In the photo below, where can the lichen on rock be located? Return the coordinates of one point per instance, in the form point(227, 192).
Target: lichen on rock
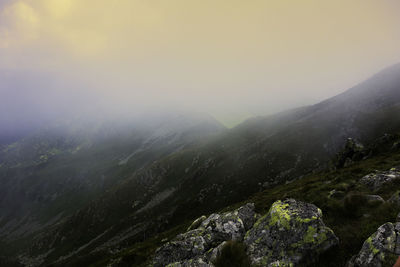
point(199, 246)
point(291, 233)
point(380, 249)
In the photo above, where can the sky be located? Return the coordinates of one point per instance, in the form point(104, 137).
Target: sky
point(230, 58)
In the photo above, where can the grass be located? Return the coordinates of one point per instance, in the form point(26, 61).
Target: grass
point(352, 219)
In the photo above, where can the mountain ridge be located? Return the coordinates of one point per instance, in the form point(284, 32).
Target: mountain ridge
point(224, 168)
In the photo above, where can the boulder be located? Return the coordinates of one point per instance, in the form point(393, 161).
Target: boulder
point(196, 247)
point(247, 215)
point(352, 151)
point(375, 181)
point(198, 262)
point(291, 233)
point(229, 225)
point(380, 249)
point(189, 245)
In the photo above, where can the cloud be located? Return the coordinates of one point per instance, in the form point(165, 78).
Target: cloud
point(216, 55)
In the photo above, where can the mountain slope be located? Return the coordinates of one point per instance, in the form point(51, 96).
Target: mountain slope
point(258, 154)
point(53, 172)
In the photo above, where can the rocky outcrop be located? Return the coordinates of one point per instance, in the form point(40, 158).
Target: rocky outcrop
point(352, 151)
point(375, 181)
point(196, 247)
point(380, 249)
point(291, 233)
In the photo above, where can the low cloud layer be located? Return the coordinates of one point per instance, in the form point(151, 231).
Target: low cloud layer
point(229, 58)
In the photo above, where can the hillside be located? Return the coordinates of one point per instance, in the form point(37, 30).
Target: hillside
point(82, 190)
point(349, 207)
point(50, 174)
point(259, 154)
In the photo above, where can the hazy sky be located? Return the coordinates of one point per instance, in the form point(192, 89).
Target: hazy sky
point(231, 58)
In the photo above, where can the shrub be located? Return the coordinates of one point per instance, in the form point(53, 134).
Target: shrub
point(354, 204)
point(233, 254)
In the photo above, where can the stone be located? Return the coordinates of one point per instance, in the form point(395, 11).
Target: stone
point(375, 181)
point(291, 233)
point(198, 262)
point(352, 151)
point(185, 246)
point(380, 249)
point(247, 215)
point(197, 246)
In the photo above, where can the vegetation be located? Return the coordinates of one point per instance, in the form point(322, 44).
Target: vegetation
point(233, 254)
point(352, 218)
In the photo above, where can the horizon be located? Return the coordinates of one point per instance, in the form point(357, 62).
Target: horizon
point(229, 59)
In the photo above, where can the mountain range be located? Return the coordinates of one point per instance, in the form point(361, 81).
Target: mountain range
point(79, 191)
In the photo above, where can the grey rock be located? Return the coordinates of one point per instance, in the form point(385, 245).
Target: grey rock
point(380, 249)
point(185, 246)
point(213, 255)
point(197, 246)
point(291, 233)
point(247, 215)
point(229, 225)
point(352, 151)
point(197, 262)
point(375, 181)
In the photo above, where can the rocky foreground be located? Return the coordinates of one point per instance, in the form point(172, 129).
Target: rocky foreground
point(292, 233)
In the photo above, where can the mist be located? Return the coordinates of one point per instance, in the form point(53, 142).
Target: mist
point(229, 59)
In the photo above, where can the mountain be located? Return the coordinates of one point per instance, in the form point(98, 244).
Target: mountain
point(51, 173)
point(170, 188)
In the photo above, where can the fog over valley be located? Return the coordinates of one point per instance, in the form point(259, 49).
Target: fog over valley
point(232, 60)
point(206, 133)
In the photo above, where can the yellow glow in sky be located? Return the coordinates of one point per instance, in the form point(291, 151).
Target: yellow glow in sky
point(246, 53)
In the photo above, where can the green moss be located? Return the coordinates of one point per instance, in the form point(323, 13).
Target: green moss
point(279, 215)
point(282, 264)
point(371, 246)
point(310, 235)
point(306, 220)
point(197, 233)
point(257, 223)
